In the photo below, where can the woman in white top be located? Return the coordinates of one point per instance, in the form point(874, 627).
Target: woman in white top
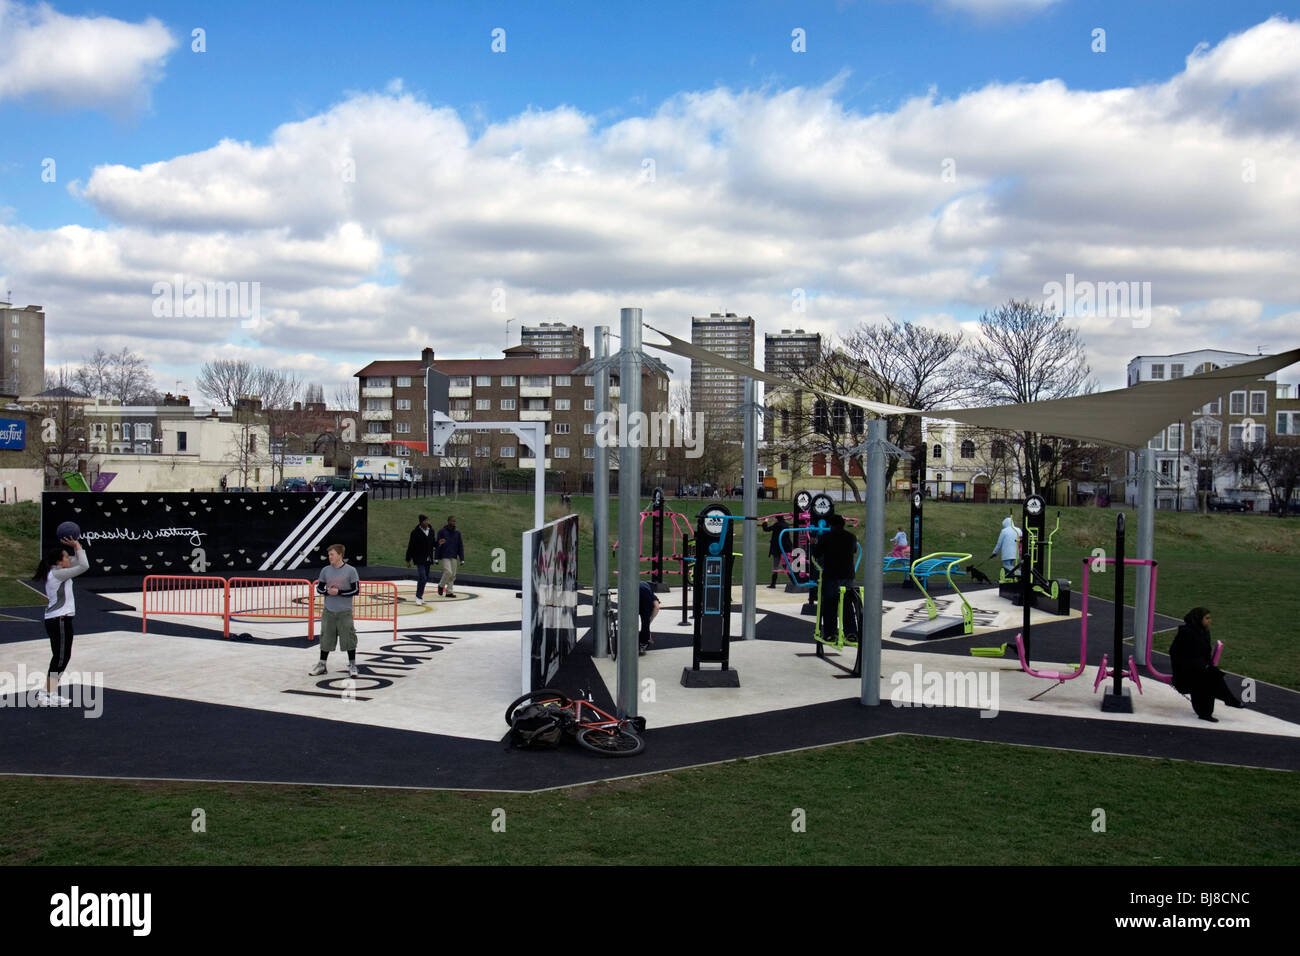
point(55, 574)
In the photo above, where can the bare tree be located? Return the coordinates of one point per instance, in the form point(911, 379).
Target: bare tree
point(1276, 463)
point(1024, 354)
point(225, 381)
point(909, 365)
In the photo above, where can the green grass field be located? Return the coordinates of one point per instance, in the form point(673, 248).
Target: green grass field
point(895, 801)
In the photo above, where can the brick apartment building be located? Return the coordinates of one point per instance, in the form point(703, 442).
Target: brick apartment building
point(521, 386)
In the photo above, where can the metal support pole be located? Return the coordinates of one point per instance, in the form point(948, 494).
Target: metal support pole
point(1146, 535)
point(749, 541)
point(1118, 650)
point(539, 475)
point(629, 513)
point(873, 566)
point(600, 501)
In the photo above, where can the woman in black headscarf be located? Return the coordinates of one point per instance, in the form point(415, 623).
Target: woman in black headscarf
point(1194, 672)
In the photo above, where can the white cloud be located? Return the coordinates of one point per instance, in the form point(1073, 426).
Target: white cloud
point(79, 62)
point(384, 214)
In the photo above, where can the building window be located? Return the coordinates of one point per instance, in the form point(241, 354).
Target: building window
point(376, 428)
point(401, 451)
point(1158, 371)
point(15, 350)
point(1213, 408)
point(403, 428)
point(508, 452)
point(537, 381)
point(126, 431)
point(561, 428)
point(482, 451)
point(1237, 403)
point(181, 438)
point(483, 381)
point(1175, 441)
point(1258, 404)
point(560, 451)
point(938, 451)
point(15, 333)
point(144, 432)
point(588, 380)
point(589, 429)
point(509, 380)
point(968, 449)
point(588, 452)
point(375, 450)
point(459, 381)
point(384, 382)
point(563, 380)
point(403, 404)
point(588, 404)
point(403, 381)
point(1176, 370)
point(998, 449)
point(785, 462)
point(117, 431)
point(1234, 437)
point(1167, 468)
point(1157, 443)
point(482, 404)
point(535, 404)
point(507, 404)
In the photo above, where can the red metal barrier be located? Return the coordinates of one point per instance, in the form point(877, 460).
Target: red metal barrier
point(376, 601)
point(174, 594)
point(274, 599)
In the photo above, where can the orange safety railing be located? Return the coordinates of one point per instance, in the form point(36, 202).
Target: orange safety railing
point(376, 601)
point(274, 599)
point(173, 594)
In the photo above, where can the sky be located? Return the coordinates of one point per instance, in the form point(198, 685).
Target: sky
point(392, 176)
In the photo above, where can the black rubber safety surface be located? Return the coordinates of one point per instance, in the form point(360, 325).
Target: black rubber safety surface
point(144, 736)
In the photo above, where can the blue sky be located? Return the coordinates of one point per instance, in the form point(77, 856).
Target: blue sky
point(687, 69)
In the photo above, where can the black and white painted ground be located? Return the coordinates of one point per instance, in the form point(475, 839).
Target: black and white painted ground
point(426, 710)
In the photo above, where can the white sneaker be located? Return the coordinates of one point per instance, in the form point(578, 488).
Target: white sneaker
point(352, 670)
point(60, 701)
point(317, 670)
point(420, 601)
point(44, 700)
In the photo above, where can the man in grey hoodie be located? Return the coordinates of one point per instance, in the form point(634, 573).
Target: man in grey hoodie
point(1007, 544)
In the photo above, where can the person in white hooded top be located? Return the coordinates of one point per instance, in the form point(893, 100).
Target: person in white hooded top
point(1008, 544)
point(54, 574)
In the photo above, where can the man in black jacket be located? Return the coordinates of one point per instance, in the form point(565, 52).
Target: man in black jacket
point(1191, 660)
point(419, 550)
point(836, 551)
point(451, 552)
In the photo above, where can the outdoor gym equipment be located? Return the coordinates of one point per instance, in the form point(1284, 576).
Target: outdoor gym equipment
point(936, 625)
point(810, 525)
point(1037, 556)
point(905, 564)
point(1116, 698)
point(713, 564)
point(846, 637)
point(1169, 678)
point(681, 532)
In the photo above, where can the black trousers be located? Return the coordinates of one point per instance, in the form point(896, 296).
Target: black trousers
point(830, 606)
point(1210, 687)
point(59, 630)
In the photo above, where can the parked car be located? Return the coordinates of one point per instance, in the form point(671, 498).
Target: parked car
point(292, 484)
point(1215, 503)
point(331, 483)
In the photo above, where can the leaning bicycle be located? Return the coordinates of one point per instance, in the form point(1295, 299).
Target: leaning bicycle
point(593, 728)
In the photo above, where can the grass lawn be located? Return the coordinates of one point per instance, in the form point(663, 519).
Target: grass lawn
point(900, 800)
point(892, 801)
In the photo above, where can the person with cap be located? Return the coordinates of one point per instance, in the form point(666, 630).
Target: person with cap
point(419, 550)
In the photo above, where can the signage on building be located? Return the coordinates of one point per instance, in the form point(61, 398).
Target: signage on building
point(13, 434)
point(304, 461)
point(902, 484)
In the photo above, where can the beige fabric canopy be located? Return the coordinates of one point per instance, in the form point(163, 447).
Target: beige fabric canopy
point(1125, 417)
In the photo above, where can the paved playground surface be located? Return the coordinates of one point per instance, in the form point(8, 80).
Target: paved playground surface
point(182, 702)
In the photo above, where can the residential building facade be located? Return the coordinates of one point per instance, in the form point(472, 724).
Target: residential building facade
point(521, 386)
point(554, 340)
point(716, 393)
point(23, 371)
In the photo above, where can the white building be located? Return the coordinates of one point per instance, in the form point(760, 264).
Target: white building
point(1182, 452)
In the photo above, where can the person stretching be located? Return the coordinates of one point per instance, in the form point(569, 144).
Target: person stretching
point(54, 574)
point(1006, 545)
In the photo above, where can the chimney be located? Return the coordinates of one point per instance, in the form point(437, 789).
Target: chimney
point(426, 357)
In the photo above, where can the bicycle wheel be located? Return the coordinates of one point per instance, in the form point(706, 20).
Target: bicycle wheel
point(621, 742)
point(545, 696)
